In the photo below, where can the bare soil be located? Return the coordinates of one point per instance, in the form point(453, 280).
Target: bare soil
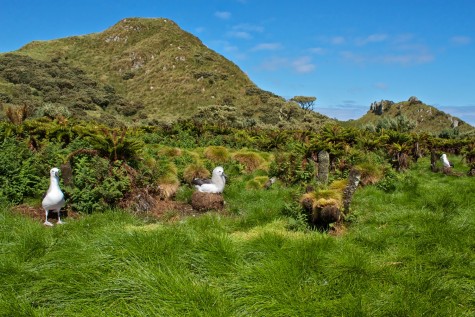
point(163, 209)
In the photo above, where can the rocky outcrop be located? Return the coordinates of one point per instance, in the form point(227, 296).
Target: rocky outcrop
point(323, 166)
point(378, 107)
point(353, 181)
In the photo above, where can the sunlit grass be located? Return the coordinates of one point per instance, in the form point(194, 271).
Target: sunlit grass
point(406, 252)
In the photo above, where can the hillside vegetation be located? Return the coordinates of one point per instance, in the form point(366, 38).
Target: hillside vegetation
point(143, 71)
point(411, 116)
point(408, 252)
point(149, 72)
point(132, 245)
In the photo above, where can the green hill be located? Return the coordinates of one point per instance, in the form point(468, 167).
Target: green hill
point(140, 70)
point(149, 71)
point(410, 116)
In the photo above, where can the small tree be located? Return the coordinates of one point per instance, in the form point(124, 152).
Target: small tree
point(306, 103)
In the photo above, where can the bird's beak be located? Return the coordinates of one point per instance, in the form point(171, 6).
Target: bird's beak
point(225, 176)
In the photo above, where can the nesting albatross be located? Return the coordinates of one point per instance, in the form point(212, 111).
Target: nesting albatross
point(213, 185)
point(445, 161)
point(54, 197)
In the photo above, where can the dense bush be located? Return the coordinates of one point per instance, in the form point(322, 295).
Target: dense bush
point(19, 175)
point(97, 184)
point(108, 164)
point(56, 88)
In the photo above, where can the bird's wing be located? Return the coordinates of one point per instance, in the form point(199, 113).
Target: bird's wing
point(200, 181)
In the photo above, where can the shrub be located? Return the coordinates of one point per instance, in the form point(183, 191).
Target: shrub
point(217, 154)
point(97, 184)
point(170, 151)
point(19, 177)
point(195, 170)
point(250, 160)
point(53, 111)
point(257, 182)
point(292, 168)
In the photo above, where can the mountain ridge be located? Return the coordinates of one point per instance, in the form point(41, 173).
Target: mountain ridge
point(147, 71)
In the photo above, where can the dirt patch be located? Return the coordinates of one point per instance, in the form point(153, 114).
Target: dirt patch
point(163, 209)
point(170, 209)
point(338, 229)
point(38, 213)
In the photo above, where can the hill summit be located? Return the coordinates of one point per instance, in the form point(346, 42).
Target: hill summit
point(140, 71)
point(412, 115)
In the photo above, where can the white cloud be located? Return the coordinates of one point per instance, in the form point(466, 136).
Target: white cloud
point(407, 59)
point(248, 28)
point(274, 63)
point(337, 40)
point(461, 40)
point(267, 47)
point(381, 86)
point(230, 48)
point(317, 50)
point(244, 31)
point(303, 65)
point(222, 15)
point(300, 65)
point(373, 38)
point(401, 59)
point(240, 35)
point(353, 57)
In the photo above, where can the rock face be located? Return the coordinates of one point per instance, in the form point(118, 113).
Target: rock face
point(353, 181)
point(323, 166)
point(414, 100)
point(378, 107)
point(207, 201)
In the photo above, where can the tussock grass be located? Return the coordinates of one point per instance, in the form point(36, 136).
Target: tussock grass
point(406, 252)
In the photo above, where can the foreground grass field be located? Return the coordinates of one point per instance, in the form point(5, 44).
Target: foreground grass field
point(406, 252)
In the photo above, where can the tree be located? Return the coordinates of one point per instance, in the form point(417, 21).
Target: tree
point(306, 103)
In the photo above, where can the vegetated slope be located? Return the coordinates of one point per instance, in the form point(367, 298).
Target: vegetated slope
point(411, 116)
point(56, 88)
point(159, 72)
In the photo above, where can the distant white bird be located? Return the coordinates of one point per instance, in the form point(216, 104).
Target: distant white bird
point(54, 197)
point(269, 183)
point(445, 161)
point(213, 185)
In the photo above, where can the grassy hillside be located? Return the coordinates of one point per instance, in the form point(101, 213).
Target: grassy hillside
point(405, 252)
point(161, 73)
point(411, 116)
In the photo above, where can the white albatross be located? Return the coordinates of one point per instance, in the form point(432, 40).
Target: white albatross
point(445, 161)
point(54, 198)
point(213, 185)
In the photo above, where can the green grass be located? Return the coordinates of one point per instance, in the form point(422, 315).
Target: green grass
point(408, 252)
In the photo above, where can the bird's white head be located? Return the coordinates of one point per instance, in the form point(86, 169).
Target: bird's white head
point(54, 172)
point(218, 175)
point(219, 171)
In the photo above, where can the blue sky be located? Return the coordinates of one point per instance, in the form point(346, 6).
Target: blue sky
point(345, 53)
